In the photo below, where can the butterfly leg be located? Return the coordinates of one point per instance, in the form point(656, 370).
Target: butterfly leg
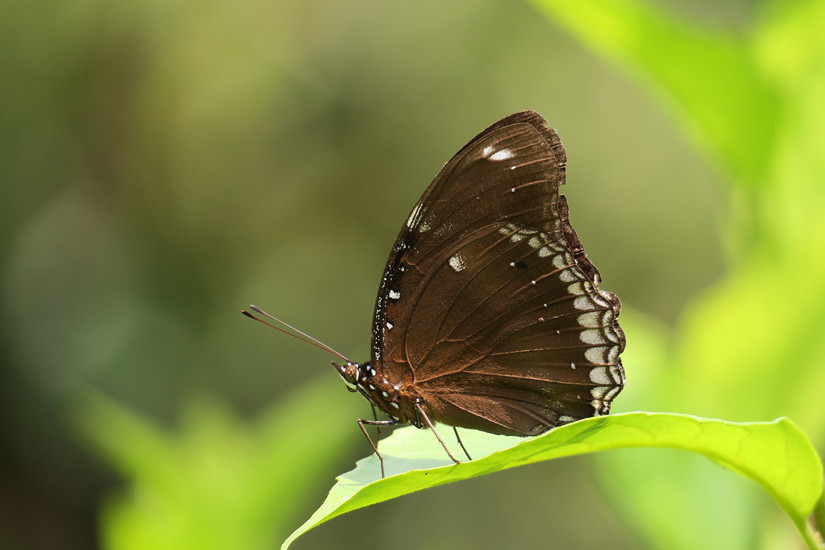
point(362, 423)
point(421, 414)
point(463, 448)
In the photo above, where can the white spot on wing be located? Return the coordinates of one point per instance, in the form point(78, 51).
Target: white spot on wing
point(413, 215)
point(617, 375)
point(598, 392)
point(599, 375)
point(611, 335)
point(590, 319)
point(595, 355)
point(593, 337)
point(613, 392)
point(583, 303)
point(395, 295)
point(567, 276)
point(457, 262)
point(504, 154)
point(601, 301)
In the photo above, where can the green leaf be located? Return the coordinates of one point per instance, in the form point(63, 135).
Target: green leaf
point(711, 74)
point(776, 455)
point(216, 480)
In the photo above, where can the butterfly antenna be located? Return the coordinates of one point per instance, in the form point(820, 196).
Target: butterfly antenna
point(304, 337)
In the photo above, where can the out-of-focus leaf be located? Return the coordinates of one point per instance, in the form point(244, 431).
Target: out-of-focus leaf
point(709, 73)
point(220, 482)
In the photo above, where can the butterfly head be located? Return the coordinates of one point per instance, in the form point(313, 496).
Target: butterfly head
point(351, 373)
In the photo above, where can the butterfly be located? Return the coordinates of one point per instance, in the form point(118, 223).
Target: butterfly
point(489, 314)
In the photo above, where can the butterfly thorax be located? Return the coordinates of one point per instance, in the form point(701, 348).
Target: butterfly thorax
point(394, 397)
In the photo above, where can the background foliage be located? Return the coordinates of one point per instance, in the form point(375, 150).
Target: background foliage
point(164, 163)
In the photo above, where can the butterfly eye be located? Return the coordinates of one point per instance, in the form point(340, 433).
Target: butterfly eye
point(351, 373)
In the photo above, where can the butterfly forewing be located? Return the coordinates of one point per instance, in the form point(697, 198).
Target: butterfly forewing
point(489, 306)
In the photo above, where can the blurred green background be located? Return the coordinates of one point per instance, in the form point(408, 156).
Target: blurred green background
point(163, 164)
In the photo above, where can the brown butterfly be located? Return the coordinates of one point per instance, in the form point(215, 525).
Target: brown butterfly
point(489, 314)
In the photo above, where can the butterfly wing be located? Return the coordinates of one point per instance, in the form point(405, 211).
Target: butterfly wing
point(488, 304)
